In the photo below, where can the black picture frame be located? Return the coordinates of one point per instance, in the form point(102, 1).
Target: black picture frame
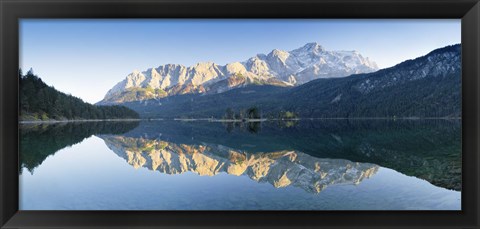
point(12, 10)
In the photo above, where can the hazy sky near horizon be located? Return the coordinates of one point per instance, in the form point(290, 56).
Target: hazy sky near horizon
point(86, 58)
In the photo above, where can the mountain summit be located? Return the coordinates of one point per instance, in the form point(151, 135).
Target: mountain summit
point(278, 68)
point(428, 86)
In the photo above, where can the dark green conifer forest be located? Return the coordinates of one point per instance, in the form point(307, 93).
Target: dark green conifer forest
point(38, 101)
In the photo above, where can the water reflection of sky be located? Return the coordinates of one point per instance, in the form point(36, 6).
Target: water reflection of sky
point(89, 176)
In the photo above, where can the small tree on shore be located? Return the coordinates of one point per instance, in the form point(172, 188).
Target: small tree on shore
point(253, 113)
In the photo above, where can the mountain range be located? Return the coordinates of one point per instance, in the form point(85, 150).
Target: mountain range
point(428, 86)
point(278, 68)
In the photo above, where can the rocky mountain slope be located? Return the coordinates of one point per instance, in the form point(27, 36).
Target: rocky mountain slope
point(278, 68)
point(428, 86)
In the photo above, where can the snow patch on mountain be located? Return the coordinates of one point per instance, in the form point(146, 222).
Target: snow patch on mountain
point(279, 68)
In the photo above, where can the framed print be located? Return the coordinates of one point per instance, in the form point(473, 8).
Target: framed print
point(240, 114)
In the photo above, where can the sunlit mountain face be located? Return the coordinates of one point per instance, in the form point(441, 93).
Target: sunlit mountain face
point(278, 68)
point(280, 169)
point(425, 87)
point(303, 129)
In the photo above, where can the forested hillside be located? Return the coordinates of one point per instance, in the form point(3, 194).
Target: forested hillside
point(38, 101)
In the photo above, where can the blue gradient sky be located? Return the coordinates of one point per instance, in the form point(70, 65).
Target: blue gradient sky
point(88, 57)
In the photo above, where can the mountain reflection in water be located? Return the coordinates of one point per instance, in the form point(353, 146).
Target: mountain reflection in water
point(426, 149)
point(346, 163)
point(281, 168)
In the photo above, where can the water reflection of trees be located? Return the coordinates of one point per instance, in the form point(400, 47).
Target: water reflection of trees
point(38, 141)
point(251, 127)
point(427, 149)
point(256, 127)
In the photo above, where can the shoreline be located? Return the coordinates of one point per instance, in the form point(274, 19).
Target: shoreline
point(313, 119)
point(231, 120)
point(76, 120)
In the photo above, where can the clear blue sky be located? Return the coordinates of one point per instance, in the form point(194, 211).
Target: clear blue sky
point(87, 57)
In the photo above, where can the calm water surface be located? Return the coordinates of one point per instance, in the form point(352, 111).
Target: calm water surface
point(200, 165)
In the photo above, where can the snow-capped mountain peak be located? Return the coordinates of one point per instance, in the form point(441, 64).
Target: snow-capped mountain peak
point(279, 68)
point(310, 47)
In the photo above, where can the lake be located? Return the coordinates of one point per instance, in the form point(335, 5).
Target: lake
point(272, 165)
